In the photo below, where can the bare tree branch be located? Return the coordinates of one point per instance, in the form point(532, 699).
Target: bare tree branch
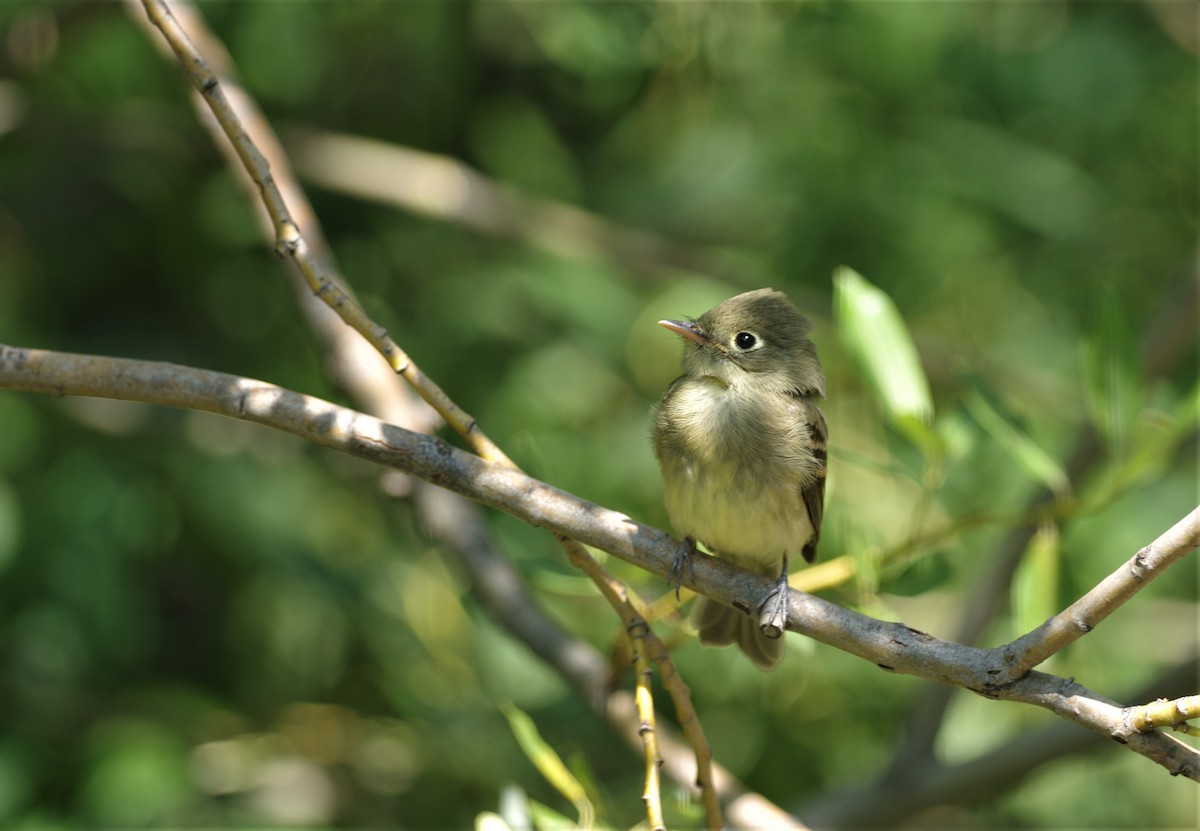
point(289, 242)
point(559, 653)
point(979, 609)
point(445, 188)
point(1085, 614)
point(1020, 659)
point(1171, 336)
point(889, 801)
point(1076, 703)
point(350, 360)
point(892, 646)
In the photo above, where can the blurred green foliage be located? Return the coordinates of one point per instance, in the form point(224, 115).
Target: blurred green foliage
point(204, 623)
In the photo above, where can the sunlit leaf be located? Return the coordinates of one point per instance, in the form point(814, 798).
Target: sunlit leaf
point(875, 336)
point(546, 818)
point(549, 764)
point(488, 821)
point(1153, 447)
point(1035, 586)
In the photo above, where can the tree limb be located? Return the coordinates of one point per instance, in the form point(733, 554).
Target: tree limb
point(445, 188)
point(1169, 338)
point(893, 646)
point(291, 243)
point(889, 801)
point(1085, 614)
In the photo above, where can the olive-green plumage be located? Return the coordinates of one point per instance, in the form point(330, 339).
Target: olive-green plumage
point(741, 445)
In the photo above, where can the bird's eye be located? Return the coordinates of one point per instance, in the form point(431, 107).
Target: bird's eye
point(745, 340)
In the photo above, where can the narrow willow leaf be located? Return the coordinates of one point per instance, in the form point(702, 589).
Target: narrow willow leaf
point(488, 821)
point(545, 818)
point(578, 764)
point(875, 336)
point(1034, 596)
point(1019, 445)
point(548, 763)
point(1153, 447)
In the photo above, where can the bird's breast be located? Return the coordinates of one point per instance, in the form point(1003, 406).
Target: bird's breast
point(733, 470)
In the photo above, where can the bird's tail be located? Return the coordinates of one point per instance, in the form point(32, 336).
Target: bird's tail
point(720, 625)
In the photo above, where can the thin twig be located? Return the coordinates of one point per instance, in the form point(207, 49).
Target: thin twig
point(350, 361)
point(291, 244)
point(500, 589)
point(617, 595)
point(689, 723)
point(1164, 713)
point(446, 189)
point(647, 729)
point(1085, 614)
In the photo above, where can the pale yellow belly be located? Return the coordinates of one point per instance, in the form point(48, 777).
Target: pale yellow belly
point(747, 524)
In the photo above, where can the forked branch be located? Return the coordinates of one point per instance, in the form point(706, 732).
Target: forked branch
point(892, 646)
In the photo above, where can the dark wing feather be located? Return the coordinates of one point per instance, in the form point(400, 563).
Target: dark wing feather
point(813, 494)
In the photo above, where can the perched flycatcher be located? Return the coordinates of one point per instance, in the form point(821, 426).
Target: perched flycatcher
point(741, 445)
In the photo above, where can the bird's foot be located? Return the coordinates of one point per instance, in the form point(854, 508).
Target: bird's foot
point(681, 564)
point(772, 620)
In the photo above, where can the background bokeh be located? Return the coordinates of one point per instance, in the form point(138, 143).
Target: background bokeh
point(206, 623)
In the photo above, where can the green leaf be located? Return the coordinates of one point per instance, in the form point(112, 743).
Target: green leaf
point(1019, 445)
point(1153, 447)
point(545, 818)
point(490, 821)
point(876, 338)
point(1035, 585)
point(549, 764)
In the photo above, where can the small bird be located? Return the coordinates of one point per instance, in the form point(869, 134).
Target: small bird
point(742, 449)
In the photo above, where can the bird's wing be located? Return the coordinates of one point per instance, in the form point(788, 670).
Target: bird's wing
point(813, 493)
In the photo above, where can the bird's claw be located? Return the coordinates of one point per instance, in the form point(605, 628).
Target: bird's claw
point(682, 563)
point(772, 620)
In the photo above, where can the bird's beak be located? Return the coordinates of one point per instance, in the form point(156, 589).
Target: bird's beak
point(687, 329)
